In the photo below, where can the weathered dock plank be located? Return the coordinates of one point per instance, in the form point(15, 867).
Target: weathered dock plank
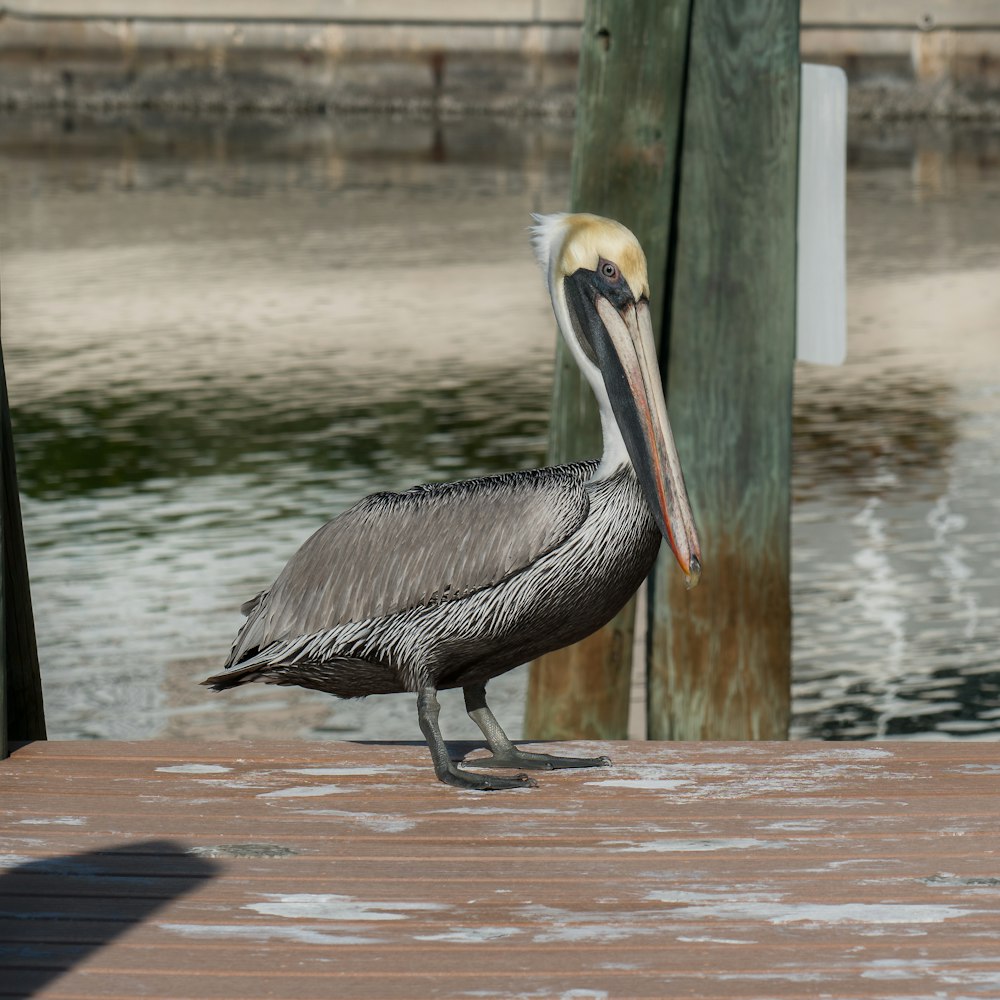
point(295, 870)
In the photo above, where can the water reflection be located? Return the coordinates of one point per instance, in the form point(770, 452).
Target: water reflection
point(857, 438)
point(217, 334)
point(896, 550)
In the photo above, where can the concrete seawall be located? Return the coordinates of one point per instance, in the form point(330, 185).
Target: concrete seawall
point(440, 56)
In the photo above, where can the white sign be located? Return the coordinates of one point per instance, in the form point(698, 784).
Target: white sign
point(821, 295)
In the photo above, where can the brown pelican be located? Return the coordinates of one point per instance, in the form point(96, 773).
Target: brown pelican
point(449, 585)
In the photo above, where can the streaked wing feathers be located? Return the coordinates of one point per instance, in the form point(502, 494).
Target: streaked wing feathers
point(395, 551)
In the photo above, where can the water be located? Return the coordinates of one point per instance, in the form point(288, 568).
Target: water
point(897, 490)
point(218, 335)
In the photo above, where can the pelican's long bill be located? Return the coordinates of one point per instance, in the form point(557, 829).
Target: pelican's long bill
point(619, 334)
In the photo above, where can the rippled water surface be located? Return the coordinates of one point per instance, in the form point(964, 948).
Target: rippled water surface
point(217, 336)
point(896, 536)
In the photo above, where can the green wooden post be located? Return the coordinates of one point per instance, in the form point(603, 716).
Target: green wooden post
point(632, 65)
point(719, 656)
point(21, 714)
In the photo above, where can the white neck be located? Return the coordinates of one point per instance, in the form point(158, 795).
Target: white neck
point(614, 455)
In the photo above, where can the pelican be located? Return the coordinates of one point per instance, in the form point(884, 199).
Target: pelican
point(449, 585)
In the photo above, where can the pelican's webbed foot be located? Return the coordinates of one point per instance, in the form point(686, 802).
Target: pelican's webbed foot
point(504, 753)
point(453, 775)
point(428, 710)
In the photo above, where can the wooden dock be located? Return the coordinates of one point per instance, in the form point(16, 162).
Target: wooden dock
point(307, 870)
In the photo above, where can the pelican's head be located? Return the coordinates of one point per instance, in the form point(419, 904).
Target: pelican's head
point(596, 273)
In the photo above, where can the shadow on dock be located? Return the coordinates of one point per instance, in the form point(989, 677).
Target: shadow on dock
point(56, 912)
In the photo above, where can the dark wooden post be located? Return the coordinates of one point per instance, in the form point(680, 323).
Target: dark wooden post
point(632, 64)
point(21, 715)
point(719, 655)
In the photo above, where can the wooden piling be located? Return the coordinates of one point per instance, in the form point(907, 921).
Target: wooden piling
point(719, 656)
point(22, 717)
point(632, 64)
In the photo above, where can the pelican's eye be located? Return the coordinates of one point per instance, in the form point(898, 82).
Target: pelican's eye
point(609, 270)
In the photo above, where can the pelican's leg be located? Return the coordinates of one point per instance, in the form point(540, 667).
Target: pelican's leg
point(428, 710)
point(505, 754)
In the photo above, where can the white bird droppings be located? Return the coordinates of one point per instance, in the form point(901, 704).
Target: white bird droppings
point(325, 906)
point(713, 940)
point(54, 821)
point(471, 935)
point(267, 932)
point(194, 769)
point(840, 752)
point(776, 912)
point(707, 844)
point(303, 791)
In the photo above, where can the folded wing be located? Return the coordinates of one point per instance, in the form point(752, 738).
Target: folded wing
point(395, 551)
